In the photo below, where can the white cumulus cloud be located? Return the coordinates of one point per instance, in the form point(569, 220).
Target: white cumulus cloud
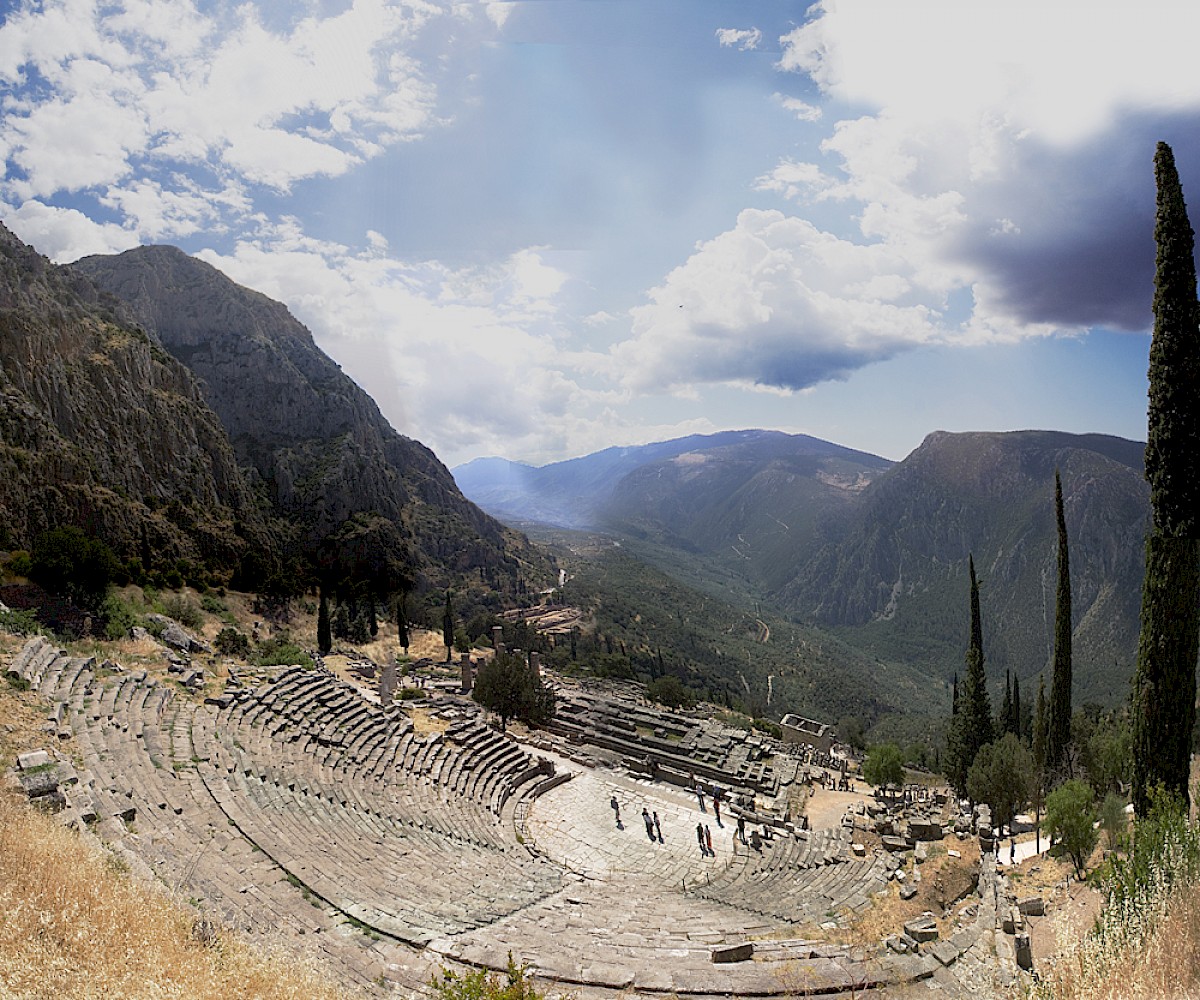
point(741, 38)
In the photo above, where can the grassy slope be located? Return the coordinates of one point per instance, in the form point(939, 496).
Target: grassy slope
point(74, 924)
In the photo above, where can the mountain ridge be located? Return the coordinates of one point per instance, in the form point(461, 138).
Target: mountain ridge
point(878, 552)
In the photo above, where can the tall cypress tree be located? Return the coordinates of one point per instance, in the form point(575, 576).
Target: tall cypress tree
point(1041, 728)
point(1018, 720)
point(448, 626)
point(973, 724)
point(1006, 706)
point(1059, 734)
point(402, 620)
point(1164, 682)
point(324, 631)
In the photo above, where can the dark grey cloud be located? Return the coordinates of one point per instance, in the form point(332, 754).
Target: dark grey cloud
point(1084, 252)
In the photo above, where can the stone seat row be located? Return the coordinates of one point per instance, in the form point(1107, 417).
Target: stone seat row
point(349, 732)
point(797, 880)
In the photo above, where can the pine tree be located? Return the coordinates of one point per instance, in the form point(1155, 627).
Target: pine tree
point(1164, 682)
point(1006, 706)
point(1060, 687)
point(972, 727)
point(324, 633)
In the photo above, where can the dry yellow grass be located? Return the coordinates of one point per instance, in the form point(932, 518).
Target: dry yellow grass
point(1165, 966)
point(73, 926)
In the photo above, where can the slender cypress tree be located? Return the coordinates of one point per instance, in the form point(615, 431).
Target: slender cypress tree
point(973, 724)
point(448, 626)
point(1041, 728)
point(1173, 417)
point(324, 631)
point(402, 620)
point(1164, 682)
point(1006, 706)
point(1060, 687)
point(1018, 720)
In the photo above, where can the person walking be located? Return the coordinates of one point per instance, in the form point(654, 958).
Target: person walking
point(708, 840)
point(649, 824)
point(657, 827)
point(717, 808)
point(700, 838)
point(616, 808)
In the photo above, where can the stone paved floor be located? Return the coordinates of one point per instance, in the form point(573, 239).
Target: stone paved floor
point(574, 826)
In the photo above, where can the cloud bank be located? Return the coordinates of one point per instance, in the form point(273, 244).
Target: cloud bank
point(996, 159)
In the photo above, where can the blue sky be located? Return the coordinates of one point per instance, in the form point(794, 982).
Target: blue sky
point(541, 227)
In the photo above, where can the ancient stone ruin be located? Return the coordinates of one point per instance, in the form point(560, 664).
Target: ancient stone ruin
point(308, 810)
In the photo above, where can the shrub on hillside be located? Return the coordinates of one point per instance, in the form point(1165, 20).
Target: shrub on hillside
point(281, 651)
point(669, 690)
point(1071, 817)
point(184, 610)
point(231, 642)
point(74, 565)
point(20, 622)
point(119, 617)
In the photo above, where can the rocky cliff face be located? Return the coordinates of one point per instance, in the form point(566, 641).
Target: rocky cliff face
point(893, 573)
point(102, 428)
point(324, 455)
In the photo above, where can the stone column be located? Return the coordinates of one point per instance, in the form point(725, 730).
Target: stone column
point(387, 684)
point(535, 662)
point(468, 674)
point(498, 639)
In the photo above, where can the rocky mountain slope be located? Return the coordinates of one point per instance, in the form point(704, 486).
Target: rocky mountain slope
point(103, 429)
point(755, 499)
point(358, 493)
point(893, 572)
point(876, 551)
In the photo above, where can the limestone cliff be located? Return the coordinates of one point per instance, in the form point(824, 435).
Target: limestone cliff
point(102, 428)
point(327, 459)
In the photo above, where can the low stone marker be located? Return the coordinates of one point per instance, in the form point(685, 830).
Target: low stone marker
point(923, 928)
point(1024, 952)
point(733, 953)
point(1032, 906)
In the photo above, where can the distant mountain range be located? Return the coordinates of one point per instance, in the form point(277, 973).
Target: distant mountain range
point(179, 416)
point(873, 550)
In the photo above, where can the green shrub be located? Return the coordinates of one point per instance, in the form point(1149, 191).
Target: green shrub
point(231, 642)
point(19, 563)
point(1070, 816)
point(74, 565)
point(281, 651)
point(119, 617)
point(213, 605)
point(20, 622)
point(484, 985)
point(669, 690)
point(184, 610)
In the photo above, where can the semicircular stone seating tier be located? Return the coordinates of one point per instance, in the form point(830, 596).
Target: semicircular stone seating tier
point(299, 810)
